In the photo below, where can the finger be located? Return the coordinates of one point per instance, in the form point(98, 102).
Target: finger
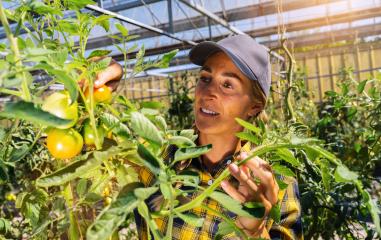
point(232, 192)
point(113, 84)
point(242, 177)
point(262, 170)
point(113, 72)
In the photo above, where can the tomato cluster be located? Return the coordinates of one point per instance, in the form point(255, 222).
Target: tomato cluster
point(65, 142)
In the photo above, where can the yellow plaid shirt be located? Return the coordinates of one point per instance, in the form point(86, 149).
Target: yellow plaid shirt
point(290, 226)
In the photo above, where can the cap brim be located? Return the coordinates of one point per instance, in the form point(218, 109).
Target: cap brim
point(200, 53)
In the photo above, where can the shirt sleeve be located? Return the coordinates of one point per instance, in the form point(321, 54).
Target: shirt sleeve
point(290, 225)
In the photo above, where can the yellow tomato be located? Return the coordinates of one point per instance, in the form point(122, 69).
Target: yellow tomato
point(64, 143)
point(60, 105)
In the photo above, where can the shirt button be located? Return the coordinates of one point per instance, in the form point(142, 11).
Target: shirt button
point(229, 161)
point(210, 182)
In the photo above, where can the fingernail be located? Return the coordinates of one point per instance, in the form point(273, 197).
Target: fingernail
point(223, 184)
point(234, 168)
point(97, 82)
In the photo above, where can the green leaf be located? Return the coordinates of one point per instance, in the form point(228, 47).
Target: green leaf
point(190, 219)
point(114, 215)
point(62, 77)
point(343, 174)
point(181, 142)
point(31, 52)
point(288, 156)
point(249, 126)
point(148, 159)
point(122, 29)
point(373, 208)
point(165, 190)
point(29, 112)
point(160, 122)
point(43, 9)
point(282, 185)
point(103, 21)
point(325, 173)
point(77, 5)
point(116, 126)
point(191, 152)
point(99, 53)
point(81, 187)
point(224, 228)
point(282, 170)
point(275, 213)
point(361, 86)
point(255, 209)
point(166, 59)
point(69, 172)
point(248, 136)
point(144, 193)
point(152, 104)
point(143, 127)
point(230, 204)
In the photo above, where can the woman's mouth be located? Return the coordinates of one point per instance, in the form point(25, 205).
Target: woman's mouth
point(208, 112)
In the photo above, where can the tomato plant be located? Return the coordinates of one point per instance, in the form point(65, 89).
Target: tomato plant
point(92, 195)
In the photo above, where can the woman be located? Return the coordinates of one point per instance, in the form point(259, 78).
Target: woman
point(234, 83)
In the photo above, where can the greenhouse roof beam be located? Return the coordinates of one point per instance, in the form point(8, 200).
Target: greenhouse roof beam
point(138, 24)
point(232, 14)
point(128, 5)
point(299, 41)
point(212, 16)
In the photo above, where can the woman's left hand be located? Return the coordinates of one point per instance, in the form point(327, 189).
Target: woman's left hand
point(257, 184)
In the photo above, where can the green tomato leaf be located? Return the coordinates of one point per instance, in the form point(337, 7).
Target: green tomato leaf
point(152, 105)
point(116, 126)
point(288, 156)
point(81, 187)
point(255, 209)
point(29, 112)
point(77, 5)
point(248, 136)
point(181, 142)
point(43, 9)
point(282, 170)
point(61, 77)
point(230, 204)
point(148, 159)
point(275, 213)
point(343, 174)
point(191, 152)
point(361, 86)
point(190, 219)
point(99, 53)
point(69, 172)
point(143, 127)
point(249, 126)
point(144, 193)
point(113, 216)
point(123, 30)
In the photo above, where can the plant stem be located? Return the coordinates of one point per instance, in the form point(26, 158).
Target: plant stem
point(290, 72)
point(226, 219)
point(74, 231)
point(14, 46)
point(171, 215)
point(260, 150)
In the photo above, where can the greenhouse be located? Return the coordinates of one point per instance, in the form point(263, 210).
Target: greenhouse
point(190, 119)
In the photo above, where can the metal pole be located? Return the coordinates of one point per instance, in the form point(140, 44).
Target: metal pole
point(170, 16)
point(136, 23)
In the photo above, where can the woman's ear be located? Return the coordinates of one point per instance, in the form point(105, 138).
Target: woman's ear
point(254, 110)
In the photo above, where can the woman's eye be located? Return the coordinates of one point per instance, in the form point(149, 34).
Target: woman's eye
point(227, 85)
point(205, 79)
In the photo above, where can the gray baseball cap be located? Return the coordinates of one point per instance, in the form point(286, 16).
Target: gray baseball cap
point(252, 59)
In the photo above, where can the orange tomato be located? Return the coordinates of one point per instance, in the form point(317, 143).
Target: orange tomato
point(102, 94)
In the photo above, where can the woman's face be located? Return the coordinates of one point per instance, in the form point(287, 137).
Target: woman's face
point(222, 94)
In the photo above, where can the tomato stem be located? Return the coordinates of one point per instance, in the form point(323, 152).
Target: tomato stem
point(15, 49)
